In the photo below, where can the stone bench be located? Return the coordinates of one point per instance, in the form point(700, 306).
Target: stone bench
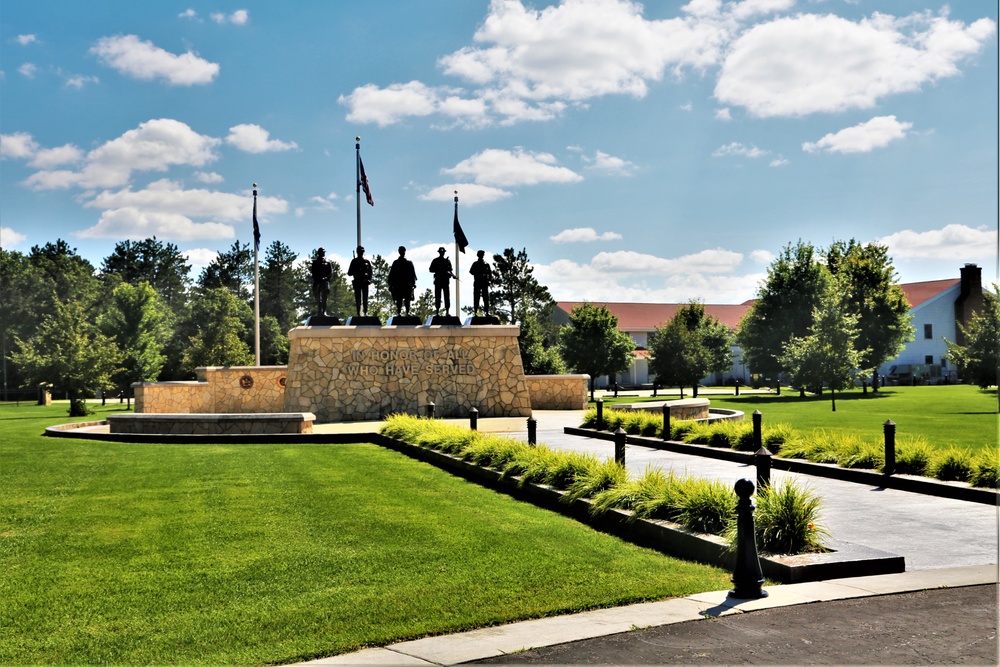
point(680, 409)
point(213, 424)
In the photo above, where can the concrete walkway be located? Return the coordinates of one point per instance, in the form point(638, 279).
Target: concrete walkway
point(946, 543)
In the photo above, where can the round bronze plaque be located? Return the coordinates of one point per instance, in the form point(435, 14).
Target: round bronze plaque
point(246, 382)
point(281, 381)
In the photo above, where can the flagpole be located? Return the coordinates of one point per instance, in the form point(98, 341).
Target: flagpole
point(357, 170)
point(256, 287)
point(458, 281)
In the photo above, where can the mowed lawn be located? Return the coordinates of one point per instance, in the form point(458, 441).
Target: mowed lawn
point(256, 554)
point(943, 415)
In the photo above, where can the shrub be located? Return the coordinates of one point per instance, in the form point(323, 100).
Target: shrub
point(775, 437)
point(952, 464)
point(600, 477)
point(855, 452)
point(621, 496)
point(493, 451)
point(986, 468)
point(563, 469)
point(706, 506)
point(697, 433)
point(786, 520)
point(913, 455)
point(659, 495)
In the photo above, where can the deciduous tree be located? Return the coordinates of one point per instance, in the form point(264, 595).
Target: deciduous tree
point(137, 320)
point(160, 264)
point(977, 361)
point(591, 343)
point(689, 347)
point(219, 321)
point(68, 351)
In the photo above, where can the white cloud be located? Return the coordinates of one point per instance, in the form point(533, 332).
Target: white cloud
point(583, 235)
point(723, 114)
point(208, 177)
point(318, 203)
point(505, 168)
point(960, 243)
point(810, 63)
point(9, 238)
point(778, 162)
point(199, 258)
point(469, 194)
point(762, 256)
point(255, 139)
point(145, 61)
point(239, 17)
point(47, 158)
point(28, 70)
point(386, 106)
point(153, 146)
point(188, 14)
point(132, 223)
point(78, 81)
point(878, 132)
point(24, 40)
point(710, 275)
point(170, 212)
point(609, 163)
point(737, 148)
point(17, 146)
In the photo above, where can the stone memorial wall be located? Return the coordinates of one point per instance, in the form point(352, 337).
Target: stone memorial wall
point(366, 373)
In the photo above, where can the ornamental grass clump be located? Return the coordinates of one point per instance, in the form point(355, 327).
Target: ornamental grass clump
point(493, 451)
point(565, 468)
point(786, 520)
point(706, 506)
point(601, 477)
point(951, 465)
point(913, 455)
point(661, 495)
point(986, 468)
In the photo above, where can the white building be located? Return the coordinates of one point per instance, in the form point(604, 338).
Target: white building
point(935, 306)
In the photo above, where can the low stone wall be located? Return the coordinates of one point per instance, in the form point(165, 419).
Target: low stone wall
point(683, 408)
point(558, 392)
point(212, 424)
point(223, 389)
point(358, 373)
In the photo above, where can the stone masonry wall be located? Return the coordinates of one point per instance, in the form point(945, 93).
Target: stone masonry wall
point(558, 392)
point(219, 389)
point(366, 373)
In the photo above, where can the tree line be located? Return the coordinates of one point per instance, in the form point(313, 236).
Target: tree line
point(822, 317)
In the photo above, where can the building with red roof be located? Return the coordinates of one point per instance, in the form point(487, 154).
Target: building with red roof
point(935, 306)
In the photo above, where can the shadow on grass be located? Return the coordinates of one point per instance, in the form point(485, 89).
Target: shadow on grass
point(793, 397)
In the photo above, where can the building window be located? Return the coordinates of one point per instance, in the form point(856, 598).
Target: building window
point(929, 359)
point(928, 331)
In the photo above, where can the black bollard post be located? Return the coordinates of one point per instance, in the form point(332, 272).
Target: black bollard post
point(748, 579)
point(889, 431)
point(474, 419)
point(762, 461)
point(600, 415)
point(430, 411)
point(666, 421)
point(758, 438)
point(532, 431)
point(620, 439)
point(737, 386)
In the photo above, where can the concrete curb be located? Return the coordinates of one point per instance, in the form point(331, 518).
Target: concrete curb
point(514, 637)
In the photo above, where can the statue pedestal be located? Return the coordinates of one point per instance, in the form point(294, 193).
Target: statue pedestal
point(322, 321)
point(443, 321)
point(363, 321)
point(479, 320)
point(366, 373)
point(404, 321)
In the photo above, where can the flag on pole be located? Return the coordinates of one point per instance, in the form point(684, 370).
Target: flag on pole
point(256, 228)
point(460, 239)
point(364, 183)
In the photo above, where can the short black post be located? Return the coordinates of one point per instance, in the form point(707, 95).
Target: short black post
point(600, 415)
point(758, 439)
point(666, 421)
point(748, 579)
point(532, 431)
point(620, 439)
point(474, 419)
point(430, 411)
point(762, 461)
point(737, 386)
point(889, 430)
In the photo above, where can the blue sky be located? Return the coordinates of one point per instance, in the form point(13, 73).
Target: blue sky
point(657, 152)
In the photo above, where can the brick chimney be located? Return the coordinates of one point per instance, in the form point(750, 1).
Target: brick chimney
point(970, 298)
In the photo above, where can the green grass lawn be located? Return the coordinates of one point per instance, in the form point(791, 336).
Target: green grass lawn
point(952, 415)
point(255, 554)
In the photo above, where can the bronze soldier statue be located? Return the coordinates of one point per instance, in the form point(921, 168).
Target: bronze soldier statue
point(443, 273)
point(402, 282)
point(361, 270)
point(322, 271)
point(482, 277)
